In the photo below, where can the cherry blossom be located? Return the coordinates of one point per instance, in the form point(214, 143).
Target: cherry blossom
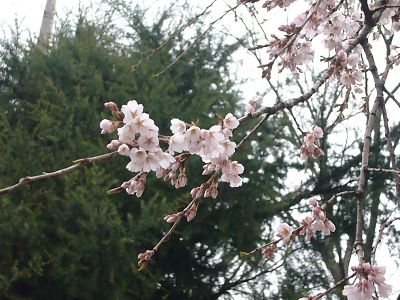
point(285, 232)
point(369, 276)
point(311, 146)
point(107, 126)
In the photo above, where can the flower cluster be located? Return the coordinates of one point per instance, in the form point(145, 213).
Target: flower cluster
point(348, 69)
point(138, 138)
point(370, 277)
point(294, 48)
point(311, 145)
point(212, 145)
point(317, 221)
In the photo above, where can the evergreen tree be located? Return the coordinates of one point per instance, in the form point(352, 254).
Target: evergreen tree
point(67, 237)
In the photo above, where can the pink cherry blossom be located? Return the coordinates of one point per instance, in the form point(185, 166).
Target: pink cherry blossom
point(124, 150)
point(285, 232)
point(107, 126)
point(177, 126)
point(230, 121)
point(363, 290)
point(131, 110)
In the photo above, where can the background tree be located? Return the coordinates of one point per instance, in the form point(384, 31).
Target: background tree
point(67, 237)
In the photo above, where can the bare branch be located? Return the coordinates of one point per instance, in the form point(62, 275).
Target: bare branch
point(339, 283)
point(77, 164)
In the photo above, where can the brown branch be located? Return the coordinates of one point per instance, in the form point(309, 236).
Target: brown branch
point(77, 164)
point(390, 95)
point(254, 130)
point(344, 280)
point(383, 170)
point(358, 244)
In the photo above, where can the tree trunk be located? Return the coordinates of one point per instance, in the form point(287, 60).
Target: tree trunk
point(47, 24)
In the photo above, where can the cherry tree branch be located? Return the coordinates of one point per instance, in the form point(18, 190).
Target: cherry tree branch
point(358, 244)
point(337, 284)
point(82, 162)
point(299, 228)
point(383, 170)
point(365, 30)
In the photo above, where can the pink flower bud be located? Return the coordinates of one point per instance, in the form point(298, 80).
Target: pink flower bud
point(124, 150)
point(329, 225)
point(313, 201)
point(171, 218)
point(268, 252)
point(191, 212)
point(318, 132)
point(181, 181)
point(316, 210)
point(318, 225)
point(111, 106)
point(197, 192)
point(113, 145)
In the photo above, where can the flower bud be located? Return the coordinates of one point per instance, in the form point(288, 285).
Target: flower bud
point(313, 201)
point(111, 106)
point(124, 150)
point(113, 145)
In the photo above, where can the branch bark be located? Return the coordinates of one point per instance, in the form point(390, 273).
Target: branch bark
point(82, 162)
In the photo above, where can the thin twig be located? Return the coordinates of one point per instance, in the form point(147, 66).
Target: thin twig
point(172, 36)
point(383, 170)
point(390, 95)
point(380, 234)
point(254, 130)
point(339, 283)
point(199, 37)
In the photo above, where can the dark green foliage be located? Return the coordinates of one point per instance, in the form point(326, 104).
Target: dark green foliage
point(65, 238)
